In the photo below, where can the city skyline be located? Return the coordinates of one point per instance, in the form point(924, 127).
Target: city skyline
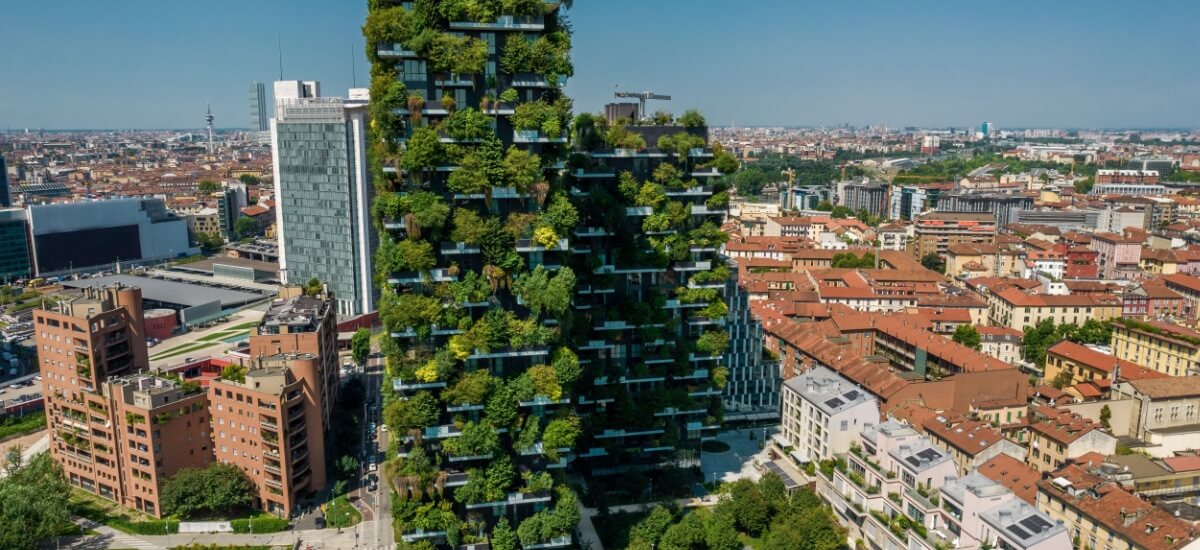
point(156, 66)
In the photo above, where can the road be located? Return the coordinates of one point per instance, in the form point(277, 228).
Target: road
point(375, 505)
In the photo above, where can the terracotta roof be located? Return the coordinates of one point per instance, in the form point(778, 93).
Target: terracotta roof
point(1061, 426)
point(969, 436)
point(1137, 520)
point(1015, 475)
point(1169, 387)
point(1186, 281)
point(1101, 361)
point(1182, 463)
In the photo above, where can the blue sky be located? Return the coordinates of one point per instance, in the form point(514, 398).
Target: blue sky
point(1098, 63)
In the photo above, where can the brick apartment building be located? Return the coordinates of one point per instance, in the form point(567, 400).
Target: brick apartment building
point(120, 432)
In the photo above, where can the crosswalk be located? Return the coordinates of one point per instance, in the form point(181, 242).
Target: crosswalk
point(118, 540)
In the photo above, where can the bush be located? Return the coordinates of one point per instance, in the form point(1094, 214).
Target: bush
point(264, 524)
point(152, 527)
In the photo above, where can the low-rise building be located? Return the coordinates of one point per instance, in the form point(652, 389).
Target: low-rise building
point(823, 413)
point(1104, 516)
point(1164, 347)
point(1056, 435)
point(1169, 412)
point(934, 232)
point(969, 442)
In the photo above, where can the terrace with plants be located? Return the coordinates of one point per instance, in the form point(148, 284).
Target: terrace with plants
point(468, 135)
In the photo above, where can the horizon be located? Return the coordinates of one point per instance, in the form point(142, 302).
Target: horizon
point(155, 66)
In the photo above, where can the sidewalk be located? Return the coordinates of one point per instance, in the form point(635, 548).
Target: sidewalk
point(109, 538)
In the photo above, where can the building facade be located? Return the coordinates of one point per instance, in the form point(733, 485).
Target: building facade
point(823, 413)
point(260, 121)
point(324, 193)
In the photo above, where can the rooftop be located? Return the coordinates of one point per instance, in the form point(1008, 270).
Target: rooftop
point(175, 293)
point(828, 391)
point(1010, 472)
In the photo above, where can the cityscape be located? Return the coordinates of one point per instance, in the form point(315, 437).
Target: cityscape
point(477, 301)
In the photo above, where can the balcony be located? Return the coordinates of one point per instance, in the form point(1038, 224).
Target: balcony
point(273, 469)
point(580, 173)
point(400, 385)
point(536, 136)
point(503, 23)
point(394, 51)
point(453, 80)
point(530, 80)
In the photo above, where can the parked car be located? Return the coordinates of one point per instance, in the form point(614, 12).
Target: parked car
point(320, 521)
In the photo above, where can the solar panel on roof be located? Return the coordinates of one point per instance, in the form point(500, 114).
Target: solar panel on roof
point(834, 403)
point(1035, 524)
point(851, 395)
point(929, 454)
point(912, 460)
point(1020, 533)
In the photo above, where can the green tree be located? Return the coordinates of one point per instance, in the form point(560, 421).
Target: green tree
point(560, 433)
point(687, 534)
point(720, 533)
point(825, 206)
point(933, 262)
point(33, 502)
point(249, 179)
point(245, 226)
point(360, 345)
point(841, 212)
point(652, 527)
point(1106, 417)
point(1063, 379)
point(967, 336)
point(751, 512)
point(813, 529)
point(218, 488)
point(208, 186)
point(313, 287)
point(209, 242)
point(503, 537)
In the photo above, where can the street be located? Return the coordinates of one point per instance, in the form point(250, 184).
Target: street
point(375, 506)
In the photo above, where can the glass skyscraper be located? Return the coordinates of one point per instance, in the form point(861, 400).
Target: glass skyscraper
point(258, 107)
point(324, 194)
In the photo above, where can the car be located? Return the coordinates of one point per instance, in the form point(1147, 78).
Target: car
point(372, 466)
point(320, 522)
point(372, 486)
point(384, 428)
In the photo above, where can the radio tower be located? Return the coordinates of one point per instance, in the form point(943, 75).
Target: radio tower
point(209, 119)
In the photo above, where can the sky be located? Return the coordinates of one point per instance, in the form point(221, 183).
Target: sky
point(1075, 64)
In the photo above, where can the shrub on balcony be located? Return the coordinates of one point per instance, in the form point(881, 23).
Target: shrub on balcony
point(561, 214)
point(419, 411)
point(545, 382)
point(400, 311)
point(566, 366)
point(477, 439)
point(651, 194)
point(541, 291)
point(559, 433)
point(509, 96)
point(692, 119)
point(533, 115)
point(467, 125)
point(712, 342)
point(455, 54)
point(718, 201)
point(501, 409)
point(387, 24)
point(404, 256)
point(423, 151)
point(620, 137)
point(720, 377)
point(522, 169)
point(680, 143)
point(468, 226)
point(714, 310)
point(474, 387)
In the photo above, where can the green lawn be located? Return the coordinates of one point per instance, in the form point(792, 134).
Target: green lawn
point(27, 424)
point(118, 517)
point(181, 350)
point(340, 513)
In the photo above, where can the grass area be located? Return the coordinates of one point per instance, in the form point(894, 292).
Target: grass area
point(181, 350)
point(340, 513)
point(27, 424)
point(613, 528)
point(260, 523)
point(714, 446)
point(226, 332)
point(749, 541)
point(109, 513)
point(200, 546)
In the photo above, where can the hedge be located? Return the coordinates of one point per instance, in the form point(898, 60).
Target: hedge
point(151, 527)
point(266, 524)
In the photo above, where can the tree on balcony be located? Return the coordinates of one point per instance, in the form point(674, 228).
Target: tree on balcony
point(419, 411)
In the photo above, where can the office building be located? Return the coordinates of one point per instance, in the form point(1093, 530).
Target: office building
point(752, 389)
point(5, 194)
point(934, 232)
point(230, 202)
point(259, 120)
point(1063, 219)
point(1004, 206)
point(323, 193)
point(986, 129)
point(1162, 165)
point(1128, 189)
point(80, 235)
point(617, 111)
point(907, 202)
point(15, 262)
point(869, 196)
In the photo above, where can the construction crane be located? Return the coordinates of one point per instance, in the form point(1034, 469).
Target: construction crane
point(641, 97)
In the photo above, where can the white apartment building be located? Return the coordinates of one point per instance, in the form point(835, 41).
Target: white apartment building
point(824, 413)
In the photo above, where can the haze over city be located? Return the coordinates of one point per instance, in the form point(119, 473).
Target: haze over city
point(1077, 64)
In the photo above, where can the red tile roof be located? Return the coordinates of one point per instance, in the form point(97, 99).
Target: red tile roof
point(1017, 476)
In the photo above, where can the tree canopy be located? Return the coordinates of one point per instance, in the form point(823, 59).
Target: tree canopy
point(217, 488)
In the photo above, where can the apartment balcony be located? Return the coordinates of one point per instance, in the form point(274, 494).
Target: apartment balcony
point(465, 407)
point(581, 173)
point(298, 441)
point(456, 479)
point(543, 401)
point(591, 232)
point(627, 153)
point(503, 23)
point(598, 345)
point(534, 352)
point(531, 80)
point(635, 211)
point(676, 304)
point(699, 358)
point(439, 275)
point(497, 193)
point(451, 80)
point(526, 245)
point(469, 458)
point(421, 534)
point(536, 136)
point(272, 425)
point(698, 374)
point(395, 51)
point(276, 483)
point(700, 152)
point(401, 386)
point(708, 392)
point(441, 432)
point(690, 192)
point(295, 413)
point(273, 469)
point(622, 434)
point(706, 172)
point(459, 249)
point(702, 210)
point(692, 266)
point(672, 411)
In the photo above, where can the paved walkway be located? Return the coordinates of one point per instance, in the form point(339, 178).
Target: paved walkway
point(331, 539)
